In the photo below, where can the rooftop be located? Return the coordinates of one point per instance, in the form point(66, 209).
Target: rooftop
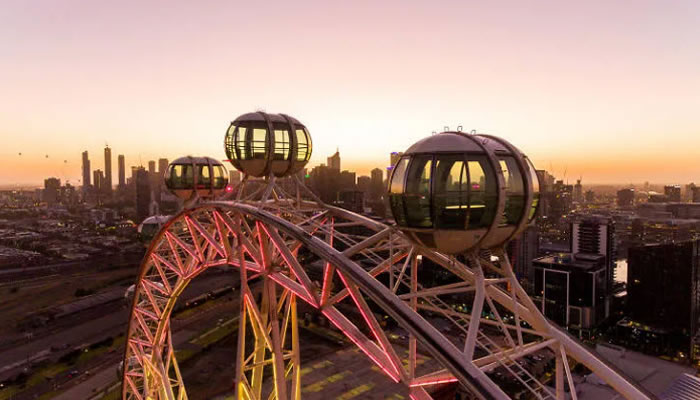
point(582, 261)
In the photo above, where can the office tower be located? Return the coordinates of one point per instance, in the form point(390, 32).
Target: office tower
point(52, 187)
point(574, 289)
point(122, 171)
point(364, 184)
point(350, 199)
point(151, 167)
point(143, 193)
point(98, 180)
point(522, 251)
point(86, 171)
point(662, 292)
point(625, 197)
point(107, 186)
point(673, 193)
point(578, 192)
point(347, 180)
point(162, 166)
point(377, 185)
point(596, 235)
point(688, 192)
point(334, 161)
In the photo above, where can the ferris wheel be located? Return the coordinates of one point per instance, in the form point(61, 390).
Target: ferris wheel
point(456, 199)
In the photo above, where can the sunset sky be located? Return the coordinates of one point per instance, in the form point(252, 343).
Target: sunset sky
point(607, 90)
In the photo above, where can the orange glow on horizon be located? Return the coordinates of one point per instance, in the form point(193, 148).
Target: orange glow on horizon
point(599, 90)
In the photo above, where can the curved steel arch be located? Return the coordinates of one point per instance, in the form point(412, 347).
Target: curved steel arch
point(220, 233)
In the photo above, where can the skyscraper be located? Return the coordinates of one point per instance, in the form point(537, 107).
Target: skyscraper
point(122, 171)
point(575, 289)
point(596, 235)
point(52, 186)
point(625, 197)
point(662, 292)
point(578, 192)
point(151, 167)
point(334, 161)
point(86, 171)
point(162, 166)
point(673, 193)
point(143, 193)
point(107, 186)
point(98, 180)
point(377, 185)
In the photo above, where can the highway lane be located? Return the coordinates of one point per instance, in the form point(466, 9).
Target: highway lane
point(92, 326)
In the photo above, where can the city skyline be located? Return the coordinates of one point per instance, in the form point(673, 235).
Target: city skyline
point(576, 91)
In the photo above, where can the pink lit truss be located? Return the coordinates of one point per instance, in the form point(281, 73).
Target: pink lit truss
point(365, 269)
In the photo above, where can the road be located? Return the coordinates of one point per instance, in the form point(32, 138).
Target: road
point(91, 326)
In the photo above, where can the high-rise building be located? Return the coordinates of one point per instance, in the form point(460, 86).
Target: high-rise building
point(673, 193)
point(334, 161)
point(152, 167)
point(98, 180)
point(364, 184)
point(347, 180)
point(569, 289)
point(162, 166)
point(107, 186)
point(522, 251)
point(596, 235)
point(663, 292)
point(575, 289)
point(122, 171)
point(377, 185)
point(143, 193)
point(696, 194)
point(625, 197)
point(578, 192)
point(52, 188)
point(86, 171)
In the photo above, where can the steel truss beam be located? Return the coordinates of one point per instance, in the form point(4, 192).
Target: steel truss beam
point(364, 264)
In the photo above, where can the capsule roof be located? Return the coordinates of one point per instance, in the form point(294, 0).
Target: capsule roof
point(456, 142)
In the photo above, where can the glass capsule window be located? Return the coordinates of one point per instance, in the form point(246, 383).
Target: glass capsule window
point(220, 179)
point(258, 141)
point(417, 193)
point(535, 190)
point(451, 192)
point(230, 142)
point(203, 176)
point(180, 177)
point(240, 141)
point(303, 144)
point(396, 191)
point(515, 191)
point(282, 141)
point(483, 192)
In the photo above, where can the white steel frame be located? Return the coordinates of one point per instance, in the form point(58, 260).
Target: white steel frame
point(263, 235)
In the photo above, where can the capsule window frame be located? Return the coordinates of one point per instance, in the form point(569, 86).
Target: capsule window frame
point(490, 195)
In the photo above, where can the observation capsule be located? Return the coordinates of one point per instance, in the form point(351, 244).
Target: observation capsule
point(203, 176)
point(260, 144)
point(456, 192)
